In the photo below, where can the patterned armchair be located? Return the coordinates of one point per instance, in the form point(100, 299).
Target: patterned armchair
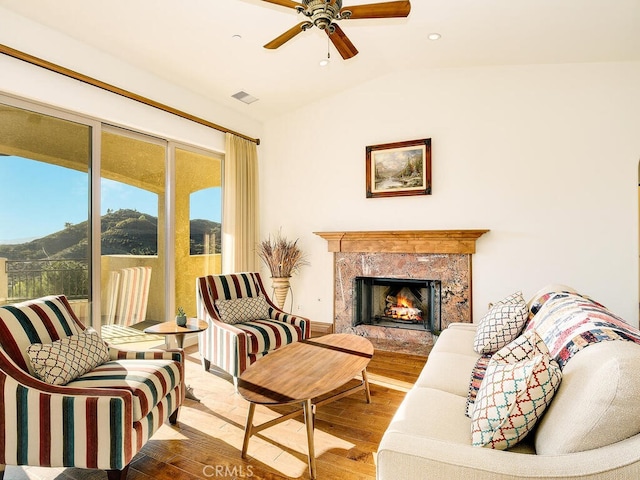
point(99, 419)
point(244, 324)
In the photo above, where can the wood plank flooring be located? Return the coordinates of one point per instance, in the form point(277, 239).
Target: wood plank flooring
point(206, 442)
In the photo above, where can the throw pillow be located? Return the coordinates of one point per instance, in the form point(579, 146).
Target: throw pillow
point(246, 309)
point(501, 324)
point(511, 399)
point(66, 359)
point(526, 346)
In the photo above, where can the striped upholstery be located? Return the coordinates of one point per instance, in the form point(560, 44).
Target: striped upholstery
point(101, 427)
point(38, 321)
point(234, 347)
point(149, 381)
point(110, 300)
point(264, 335)
point(134, 295)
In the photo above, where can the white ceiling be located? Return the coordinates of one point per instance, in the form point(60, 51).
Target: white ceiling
point(189, 42)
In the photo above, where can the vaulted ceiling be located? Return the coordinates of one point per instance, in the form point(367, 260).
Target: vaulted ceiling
point(191, 42)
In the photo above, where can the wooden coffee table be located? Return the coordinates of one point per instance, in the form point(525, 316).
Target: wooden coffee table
point(301, 372)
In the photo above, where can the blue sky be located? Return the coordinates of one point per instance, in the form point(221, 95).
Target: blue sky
point(37, 199)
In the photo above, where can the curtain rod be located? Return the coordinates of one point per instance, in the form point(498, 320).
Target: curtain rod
point(118, 91)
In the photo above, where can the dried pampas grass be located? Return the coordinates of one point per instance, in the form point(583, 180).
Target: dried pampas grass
point(282, 256)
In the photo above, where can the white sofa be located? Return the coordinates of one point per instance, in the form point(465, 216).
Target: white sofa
point(591, 428)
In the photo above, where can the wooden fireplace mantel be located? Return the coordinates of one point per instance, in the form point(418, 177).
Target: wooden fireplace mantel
point(404, 241)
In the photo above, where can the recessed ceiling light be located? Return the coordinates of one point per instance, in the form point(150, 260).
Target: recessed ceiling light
point(434, 36)
point(236, 37)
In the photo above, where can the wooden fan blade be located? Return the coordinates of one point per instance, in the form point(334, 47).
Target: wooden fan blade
point(380, 10)
point(286, 36)
point(285, 3)
point(342, 43)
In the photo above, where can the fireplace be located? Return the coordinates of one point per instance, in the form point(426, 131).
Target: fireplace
point(397, 303)
point(441, 256)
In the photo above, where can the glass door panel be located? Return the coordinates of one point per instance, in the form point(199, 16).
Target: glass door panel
point(133, 228)
point(198, 217)
point(44, 208)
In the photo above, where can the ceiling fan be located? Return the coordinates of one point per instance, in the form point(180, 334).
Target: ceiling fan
point(325, 13)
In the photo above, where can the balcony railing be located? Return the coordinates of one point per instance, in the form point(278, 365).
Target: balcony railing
point(35, 278)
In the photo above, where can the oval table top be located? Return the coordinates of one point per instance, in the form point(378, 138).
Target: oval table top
point(306, 369)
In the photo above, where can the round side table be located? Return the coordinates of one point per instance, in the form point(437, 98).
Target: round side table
point(171, 328)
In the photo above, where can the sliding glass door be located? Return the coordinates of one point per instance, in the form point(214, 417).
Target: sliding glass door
point(154, 208)
point(198, 221)
point(133, 231)
point(45, 194)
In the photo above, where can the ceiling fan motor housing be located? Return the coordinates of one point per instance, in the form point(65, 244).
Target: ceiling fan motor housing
point(322, 13)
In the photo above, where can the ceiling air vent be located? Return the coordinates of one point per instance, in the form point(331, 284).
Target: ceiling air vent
point(244, 97)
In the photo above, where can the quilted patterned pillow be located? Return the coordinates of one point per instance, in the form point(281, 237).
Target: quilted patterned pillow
point(66, 359)
point(511, 399)
point(239, 310)
point(501, 324)
point(525, 347)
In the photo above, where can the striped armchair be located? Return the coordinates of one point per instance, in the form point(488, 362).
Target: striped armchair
point(234, 346)
point(98, 420)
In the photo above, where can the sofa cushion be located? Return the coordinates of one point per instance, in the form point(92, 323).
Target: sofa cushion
point(148, 380)
point(60, 362)
point(597, 403)
point(456, 340)
point(447, 371)
point(239, 310)
point(511, 399)
point(265, 335)
point(432, 413)
point(43, 320)
point(501, 324)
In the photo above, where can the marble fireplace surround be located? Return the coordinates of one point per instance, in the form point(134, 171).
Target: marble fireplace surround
point(443, 255)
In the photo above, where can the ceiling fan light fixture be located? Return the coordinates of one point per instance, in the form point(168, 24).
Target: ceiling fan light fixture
point(324, 62)
point(324, 14)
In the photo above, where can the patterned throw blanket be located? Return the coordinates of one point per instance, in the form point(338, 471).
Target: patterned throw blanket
point(568, 322)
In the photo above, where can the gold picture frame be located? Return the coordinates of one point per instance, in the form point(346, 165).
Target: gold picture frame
point(399, 169)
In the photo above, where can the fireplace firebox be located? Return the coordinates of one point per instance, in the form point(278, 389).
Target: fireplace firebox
point(397, 303)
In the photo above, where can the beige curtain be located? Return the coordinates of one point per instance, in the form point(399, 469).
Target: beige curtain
point(240, 206)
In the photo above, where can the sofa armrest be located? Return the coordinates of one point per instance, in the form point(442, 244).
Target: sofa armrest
point(303, 323)
point(402, 455)
point(116, 353)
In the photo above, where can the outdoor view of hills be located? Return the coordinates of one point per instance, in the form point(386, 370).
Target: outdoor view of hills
point(124, 232)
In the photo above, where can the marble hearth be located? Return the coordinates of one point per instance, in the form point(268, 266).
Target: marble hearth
point(443, 255)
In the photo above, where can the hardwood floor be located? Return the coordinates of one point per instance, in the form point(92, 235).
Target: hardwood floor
point(206, 442)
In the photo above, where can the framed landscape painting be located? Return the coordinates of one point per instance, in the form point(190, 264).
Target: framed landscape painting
point(399, 169)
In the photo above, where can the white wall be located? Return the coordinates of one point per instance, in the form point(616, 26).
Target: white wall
point(546, 157)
